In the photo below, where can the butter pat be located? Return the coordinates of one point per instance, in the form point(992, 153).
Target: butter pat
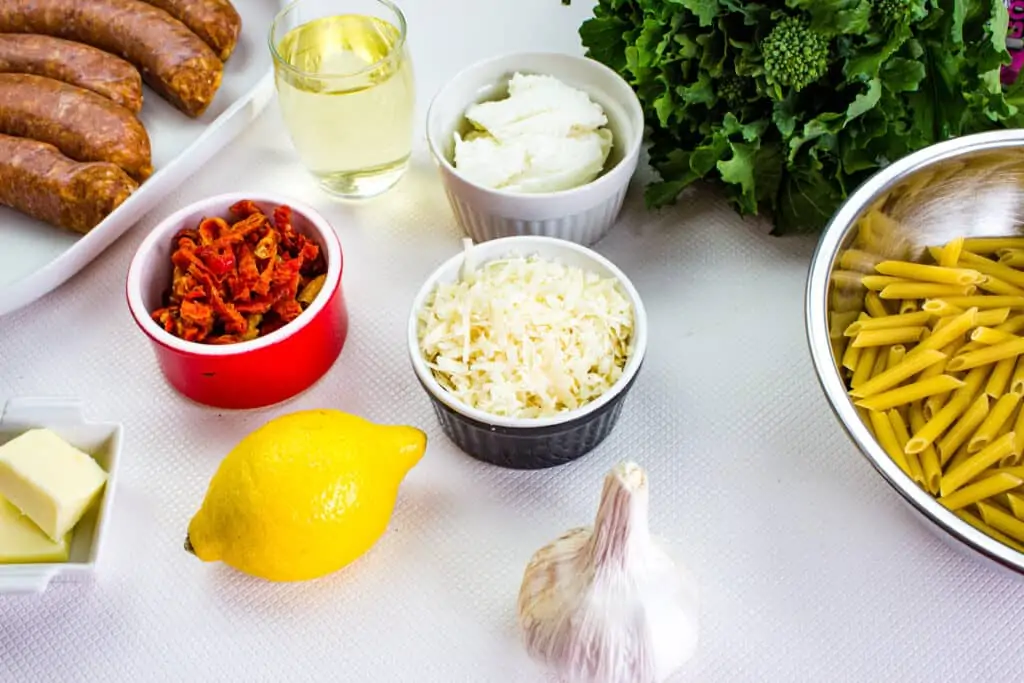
point(544, 137)
point(49, 480)
point(22, 542)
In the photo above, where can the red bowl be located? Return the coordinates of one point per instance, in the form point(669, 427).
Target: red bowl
point(251, 374)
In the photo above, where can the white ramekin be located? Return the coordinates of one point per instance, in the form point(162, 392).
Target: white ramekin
point(583, 214)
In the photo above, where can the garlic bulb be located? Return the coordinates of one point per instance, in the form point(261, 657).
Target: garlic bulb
point(607, 605)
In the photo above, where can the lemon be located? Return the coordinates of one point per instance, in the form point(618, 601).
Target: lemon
point(304, 495)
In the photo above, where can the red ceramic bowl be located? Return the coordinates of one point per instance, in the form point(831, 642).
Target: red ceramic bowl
point(255, 373)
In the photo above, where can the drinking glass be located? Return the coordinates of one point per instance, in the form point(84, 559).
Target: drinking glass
point(345, 86)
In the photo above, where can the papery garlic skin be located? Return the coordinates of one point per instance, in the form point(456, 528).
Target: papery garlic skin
point(606, 604)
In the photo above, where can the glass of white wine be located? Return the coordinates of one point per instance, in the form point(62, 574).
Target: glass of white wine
point(345, 86)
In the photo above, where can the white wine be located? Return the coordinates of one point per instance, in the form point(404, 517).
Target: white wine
point(348, 101)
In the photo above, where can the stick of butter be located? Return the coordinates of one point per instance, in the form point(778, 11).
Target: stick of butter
point(49, 480)
point(22, 542)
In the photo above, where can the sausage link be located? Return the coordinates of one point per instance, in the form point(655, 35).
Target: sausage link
point(39, 181)
point(175, 62)
point(80, 123)
point(74, 63)
point(215, 21)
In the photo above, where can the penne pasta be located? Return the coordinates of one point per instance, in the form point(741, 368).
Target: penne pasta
point(941, 307)
point(989, 531)
point(989, 267)
point(999, 520)
point(993, 423)
point(985, 301)
point(1016, 504)
point(950, 254)
point(992, 317)
point(1017, 378)
point(991, 245)
point(999, 380)
point(924, 290)
point(1019, 423)
point(910, 392)
point(905, 369)
point(882, 427)
point(961, 474)
point(986, 356)
point(981, 490)
point(937, 274)
point(989, 336)
point(866, 322)
point(929, 457)
point(949, 333)
point(863, 261)
point(1014, 258)
point(889, 337)
point(874, 305)
point(839, 322)
point(898, 351)
point(924, 436)
point(865, 366)
point(899, 430)
point(996, 286)
point(877, 283)
point(935, 368)
point(969, 420)
point(852, 353)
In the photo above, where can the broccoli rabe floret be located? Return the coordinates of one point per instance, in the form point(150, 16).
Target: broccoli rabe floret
point(794, 55)
point(732, 90)
point(892, 10)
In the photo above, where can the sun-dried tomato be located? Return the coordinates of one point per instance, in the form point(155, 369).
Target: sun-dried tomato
point(234, 282)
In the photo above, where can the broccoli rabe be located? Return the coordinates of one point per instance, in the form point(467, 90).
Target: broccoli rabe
point(893, 10)
point(732, 90)
point(794, 55)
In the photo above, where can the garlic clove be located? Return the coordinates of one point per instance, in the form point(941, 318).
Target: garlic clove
point(605, 604)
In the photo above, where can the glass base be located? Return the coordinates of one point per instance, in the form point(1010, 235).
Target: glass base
point(362, 184)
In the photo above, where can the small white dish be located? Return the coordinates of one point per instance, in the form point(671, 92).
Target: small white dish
point(583, 214)
point(101, 440)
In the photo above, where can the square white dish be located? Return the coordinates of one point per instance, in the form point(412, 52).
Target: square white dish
point(36, 258)
point(102, 440)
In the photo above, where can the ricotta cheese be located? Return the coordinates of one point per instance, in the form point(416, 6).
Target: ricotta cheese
point(526, 337)
point(544, 137)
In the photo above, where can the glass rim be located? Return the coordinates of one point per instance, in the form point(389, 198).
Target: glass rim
point(280, 61)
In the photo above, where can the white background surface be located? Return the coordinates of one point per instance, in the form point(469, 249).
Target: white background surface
point(811, 568)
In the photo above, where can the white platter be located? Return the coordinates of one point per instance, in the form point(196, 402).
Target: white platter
point(36, 258)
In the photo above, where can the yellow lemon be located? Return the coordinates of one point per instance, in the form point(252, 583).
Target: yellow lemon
point(304, 495)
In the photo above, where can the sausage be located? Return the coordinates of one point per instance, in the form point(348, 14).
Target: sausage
point(74, 63)
point(39, 181)
point(175, 62)
point(78, 122)
point(215, 21)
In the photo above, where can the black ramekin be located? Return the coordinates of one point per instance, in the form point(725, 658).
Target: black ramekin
point(541, 442)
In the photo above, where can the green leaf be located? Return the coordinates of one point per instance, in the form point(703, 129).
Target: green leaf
point(865, 101)
point(902, 75)
point(705, 10)
point(657, 195)
point(739, 170)
point(603, 40)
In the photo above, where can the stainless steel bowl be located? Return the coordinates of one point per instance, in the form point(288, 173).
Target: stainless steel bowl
point(972, 185)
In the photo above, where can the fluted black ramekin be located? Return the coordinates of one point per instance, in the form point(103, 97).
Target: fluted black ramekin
point(519, 443)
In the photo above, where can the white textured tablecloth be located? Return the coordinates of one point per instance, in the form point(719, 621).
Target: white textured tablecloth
point(811, 568)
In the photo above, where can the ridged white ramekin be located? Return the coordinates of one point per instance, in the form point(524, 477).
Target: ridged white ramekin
point(583, 214)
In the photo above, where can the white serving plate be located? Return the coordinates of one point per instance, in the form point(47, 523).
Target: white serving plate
point(102, 440)
point(36, 258)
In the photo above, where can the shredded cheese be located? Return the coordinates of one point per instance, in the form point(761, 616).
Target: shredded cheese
point(526, 337)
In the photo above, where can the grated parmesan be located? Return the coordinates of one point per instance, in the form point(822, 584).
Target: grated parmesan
point(527, 337)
